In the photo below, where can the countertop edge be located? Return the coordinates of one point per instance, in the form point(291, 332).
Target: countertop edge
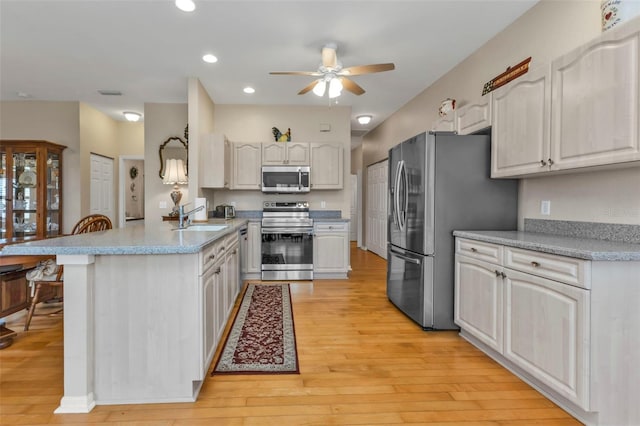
point(552, 245)
point(48, 247)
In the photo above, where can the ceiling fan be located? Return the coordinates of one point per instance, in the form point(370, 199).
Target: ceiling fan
point(332, 73)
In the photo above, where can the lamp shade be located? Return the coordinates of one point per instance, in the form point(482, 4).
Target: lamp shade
point(335, 87)
point(319, 88)
point(174, 172)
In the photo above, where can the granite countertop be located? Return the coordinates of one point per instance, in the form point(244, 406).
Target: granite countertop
point(581, 248)
point(162, 239)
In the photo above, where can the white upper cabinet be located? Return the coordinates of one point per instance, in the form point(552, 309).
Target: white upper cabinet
point(520, 130)
point(327, 167)
point(289, 153)
point(473, 116)
point(215, 162)
point(247, 159)
point(595, 102)
point(582, 111)
point(445, 124)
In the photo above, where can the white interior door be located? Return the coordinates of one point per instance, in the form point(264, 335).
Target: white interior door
point(377, 182)
point(353, 224)
point(102, 183)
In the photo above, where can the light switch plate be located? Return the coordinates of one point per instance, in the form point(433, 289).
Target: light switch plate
point(323, 204)
point(545, 207)
point(163, 205)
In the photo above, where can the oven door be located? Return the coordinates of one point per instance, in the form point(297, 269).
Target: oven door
point(287, 253)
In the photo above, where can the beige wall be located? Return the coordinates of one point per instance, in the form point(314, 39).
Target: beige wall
point(356, 159)
point(549, 29)
point(161, 121)
point(98, 135)
point(58, 122)
point(81, 128)
point(253, 123)
point(201, 113)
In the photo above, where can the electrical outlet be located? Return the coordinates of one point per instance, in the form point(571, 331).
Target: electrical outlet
point(163, 204)
point(233, 203)
point(323, 204)
point(545, 207)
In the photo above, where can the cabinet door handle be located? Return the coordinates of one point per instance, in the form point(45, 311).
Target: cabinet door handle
point(543, 163)
point(503, 275)
point(473, 249)
point(212, 256)
point(550, 161)
point(535, 264)
point(217, 271)
point(234, 252)
point(498, 273)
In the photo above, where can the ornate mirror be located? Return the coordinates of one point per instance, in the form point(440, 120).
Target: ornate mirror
point(175, 147)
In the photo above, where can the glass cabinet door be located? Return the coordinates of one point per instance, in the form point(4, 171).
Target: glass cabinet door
point(3, 195)
point(25, 194)
point(52, 212)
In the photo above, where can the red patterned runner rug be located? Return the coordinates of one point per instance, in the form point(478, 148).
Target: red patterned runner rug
point(262, 339)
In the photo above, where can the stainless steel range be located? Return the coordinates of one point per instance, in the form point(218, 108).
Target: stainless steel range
point(287, 241)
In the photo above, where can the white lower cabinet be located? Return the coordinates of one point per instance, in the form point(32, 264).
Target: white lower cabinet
point(251, 260)
point(570, 327)
point(478, 300)
point(546, 329)
point(330, 249)
point(211, 286)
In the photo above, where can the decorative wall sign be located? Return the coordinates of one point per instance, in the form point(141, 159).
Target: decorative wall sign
point(510, 74)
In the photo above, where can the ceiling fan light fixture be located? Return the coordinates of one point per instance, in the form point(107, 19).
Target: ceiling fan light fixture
point(335, 88)
point(364, 119)
point(319, 88)
point(186, 5)
point(132, 116)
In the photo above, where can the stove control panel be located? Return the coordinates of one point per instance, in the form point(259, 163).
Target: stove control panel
point(285, 205)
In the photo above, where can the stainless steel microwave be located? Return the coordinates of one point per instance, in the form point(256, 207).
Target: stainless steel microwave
point(285, 179)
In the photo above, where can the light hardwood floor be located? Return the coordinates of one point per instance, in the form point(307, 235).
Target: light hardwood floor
point(361, 362)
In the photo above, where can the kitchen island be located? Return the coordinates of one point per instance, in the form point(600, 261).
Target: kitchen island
point(144, 310)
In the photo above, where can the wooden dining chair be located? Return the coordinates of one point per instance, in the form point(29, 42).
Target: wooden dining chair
point(91, 223)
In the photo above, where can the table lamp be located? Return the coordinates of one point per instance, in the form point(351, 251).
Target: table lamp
point(175, 175)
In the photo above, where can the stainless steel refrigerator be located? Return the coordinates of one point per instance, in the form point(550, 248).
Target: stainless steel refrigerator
point(438, 183)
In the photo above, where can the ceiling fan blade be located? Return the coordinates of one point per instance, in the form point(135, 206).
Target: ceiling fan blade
point(351, 86)
point(311, 73)
point(329, 58)
point(308, 87)
point(367, 69)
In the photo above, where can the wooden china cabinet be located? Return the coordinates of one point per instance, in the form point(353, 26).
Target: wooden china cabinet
point(30, 209)
point(30, 190)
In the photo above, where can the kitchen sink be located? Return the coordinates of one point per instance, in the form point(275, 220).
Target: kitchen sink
point(209, 228)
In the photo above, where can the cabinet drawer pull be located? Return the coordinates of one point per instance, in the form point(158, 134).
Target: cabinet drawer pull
point(498, 273)
point(473, 249)
point(535, 264)
point(217, 271)
point(503, 275)
point(550, 161)
point(212, 256)
point(543, 163)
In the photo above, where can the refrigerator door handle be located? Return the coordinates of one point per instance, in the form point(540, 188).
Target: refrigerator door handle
point(400, 213)
point(405, 258)
point(396, 201)
point(406, 195)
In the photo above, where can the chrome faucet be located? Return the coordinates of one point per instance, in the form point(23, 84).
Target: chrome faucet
point(183, 217)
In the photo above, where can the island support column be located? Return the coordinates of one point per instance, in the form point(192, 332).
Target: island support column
point(79, 356)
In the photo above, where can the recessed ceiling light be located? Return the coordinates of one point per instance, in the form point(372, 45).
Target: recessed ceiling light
point(210, 58)
point(132, 116)
point(249, 90)
point(186, 5)
point(364, 119)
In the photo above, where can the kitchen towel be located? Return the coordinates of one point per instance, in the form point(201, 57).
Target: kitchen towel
point(202, 215)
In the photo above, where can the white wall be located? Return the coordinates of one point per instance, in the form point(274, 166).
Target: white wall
point(253, 123)
point(548, 30)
